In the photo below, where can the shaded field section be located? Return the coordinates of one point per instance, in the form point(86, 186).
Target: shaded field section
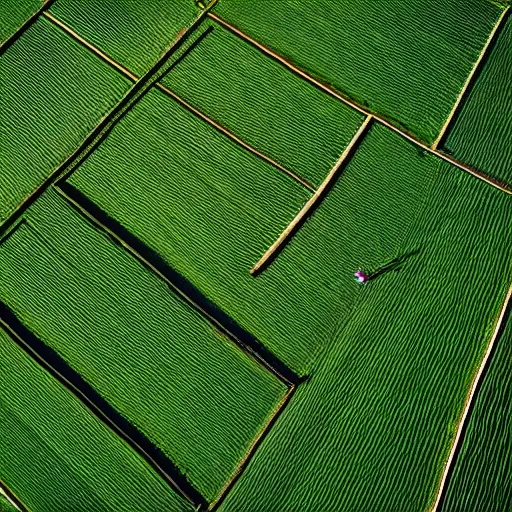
point(57, 456)
point(405, 61)
point(134, 34)
point(53, 94)
point(264, 104)
point(13, 14)
point(376, 420)
point(482, 476)
point(188, 389)
point(482, 134)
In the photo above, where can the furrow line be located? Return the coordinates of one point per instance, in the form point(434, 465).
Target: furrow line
point(328, 90)
point(473, 392)
point(313, 202)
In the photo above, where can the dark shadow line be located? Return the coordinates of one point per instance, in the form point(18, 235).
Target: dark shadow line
point(54, 364)
point(129, 100)
point(241, 469)
point(394, 264)
point(472, 405)
point(317, 203)
point(472, 82)
point(17, 501)
point(24, 27)
point(181, 286)
point(8, 235)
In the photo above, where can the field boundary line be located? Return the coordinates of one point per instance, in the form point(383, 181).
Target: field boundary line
point(313, 202)
point(76, 199)
point(194, 497)
point(331, 92)
point(264, 431)
point(473, 392)
point(125, 71)
point(12, 498)
point(471, 78)
point(25, 26)
point(132, 96)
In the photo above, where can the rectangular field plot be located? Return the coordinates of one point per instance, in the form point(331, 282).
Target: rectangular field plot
point(482, 134)
point(134, 34)
point(193, 393)
point(377, 418)
point(211, 219)
point(13, 13)
point(264, 104)
point(57, 456)
point(54, 92)
point(482, 477)
point(406, 61)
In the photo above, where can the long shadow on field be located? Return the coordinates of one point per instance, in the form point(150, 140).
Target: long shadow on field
point(394, 265)
point(179, 284)
point(506, 318)
point(52, 362)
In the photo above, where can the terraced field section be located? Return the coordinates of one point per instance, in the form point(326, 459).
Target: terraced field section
point(134, 34)
point(406, 61)
point(13, 13)
point(482, 135)
point(54, 92)
point(482, 476)
point(57, 456)
point(264, 104)
point(186, 388)
point(376, 420)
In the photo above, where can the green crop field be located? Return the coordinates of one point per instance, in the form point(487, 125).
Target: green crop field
point(152, 156)
point(407, 61)
point(482, 476)
point(133, 33)
point(186, 387)
point(5, 505)
point(264, 104)
point(380, 411)
point(55, 94)
point(13, 13)
point(482, 135)
point(57, 456)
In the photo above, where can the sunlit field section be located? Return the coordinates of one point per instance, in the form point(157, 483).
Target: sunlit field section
point(406, 61)
point(13, 13)
point(6, 505)
point(264, 104)
point(376, 420)
point(54, 92)
point(482, 476)
point(134, 34)
point(154, 359)
point(57, 456)
point(210, 210)
point(482, 134)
